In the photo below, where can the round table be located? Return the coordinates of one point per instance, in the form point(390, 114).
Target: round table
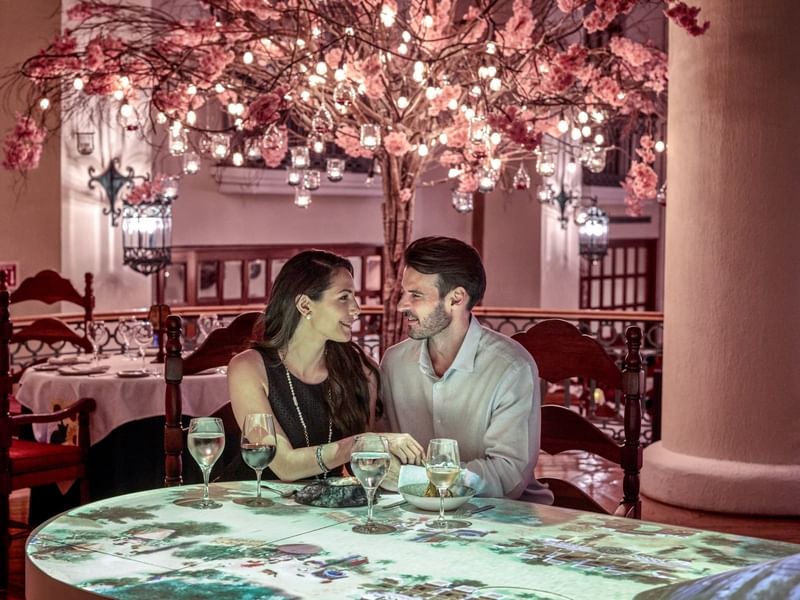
point(145, 546)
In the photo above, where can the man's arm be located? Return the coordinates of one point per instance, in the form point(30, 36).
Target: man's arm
point(512, 437)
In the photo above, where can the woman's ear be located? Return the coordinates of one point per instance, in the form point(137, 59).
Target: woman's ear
point(303, 304)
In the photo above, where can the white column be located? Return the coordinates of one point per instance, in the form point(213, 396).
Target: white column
point(731, 413)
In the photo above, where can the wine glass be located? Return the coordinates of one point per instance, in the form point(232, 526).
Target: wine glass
point(369, 460)
point(125, 329)
point(98, 335)
point(206, 443)
point(443, 467)
point(143, 335)
point(206, 324)
point(258, 450)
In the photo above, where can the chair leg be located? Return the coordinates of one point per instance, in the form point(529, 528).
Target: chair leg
point(5, 541)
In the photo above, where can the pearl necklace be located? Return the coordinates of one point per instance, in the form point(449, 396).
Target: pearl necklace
point(300, 413)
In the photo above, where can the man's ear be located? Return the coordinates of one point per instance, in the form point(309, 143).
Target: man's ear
point(303, 304)
point(457, 297)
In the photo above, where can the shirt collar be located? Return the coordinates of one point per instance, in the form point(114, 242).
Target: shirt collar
point(464, 360)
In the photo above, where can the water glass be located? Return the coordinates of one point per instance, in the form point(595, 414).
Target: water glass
point(125, 330)
point(443, 467)
point(370, 460)
point(206, 442)
point(258, 450)
point(98, 335)
point(143, 335)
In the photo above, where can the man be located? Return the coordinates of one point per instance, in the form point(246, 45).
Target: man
point(456, 379)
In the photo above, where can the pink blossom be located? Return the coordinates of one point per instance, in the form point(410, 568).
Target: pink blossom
point(333, 58)
point(22, 147)
point(606, 11)
point(59, 58)
point(449, 158)
point(467, 182)
point(640, 184)
point(260, 8)
point(405, 195)
point(645, 151)
point(396, 143)
point(213, 61)
point(477, 28)
point(567, 6)
point(265, 109)
point(439, 104)
point(686, 17)
point(633, 53)
point(147, 191)
point(607, 90)
point(518, 30)
point(458, 132)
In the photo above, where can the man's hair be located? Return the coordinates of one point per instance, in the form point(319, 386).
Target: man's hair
point(456, 264)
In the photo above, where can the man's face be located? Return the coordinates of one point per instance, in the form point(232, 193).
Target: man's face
point(422, 306)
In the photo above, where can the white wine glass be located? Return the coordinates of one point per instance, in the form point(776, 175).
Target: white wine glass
point(369, 460)
point(125, 330)
point(443, 466)
point(98, 335)
point(258, 450)
point(143, 336)
point(206, 443)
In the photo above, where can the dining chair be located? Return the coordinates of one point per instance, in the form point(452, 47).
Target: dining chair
point(25, 464)
point(562, 352)
point(50, 287)
point(215, 351)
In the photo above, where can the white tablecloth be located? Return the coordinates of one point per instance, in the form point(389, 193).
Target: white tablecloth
point(120, 400)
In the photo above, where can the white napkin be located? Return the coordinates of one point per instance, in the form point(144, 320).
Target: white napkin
point(411, 474)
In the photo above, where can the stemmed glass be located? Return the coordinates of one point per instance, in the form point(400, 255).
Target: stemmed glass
point(206, 443)
point(443, 467)
point(258, 450)
point(207, 324)
point(125, 329)
point(369, 460)
point(98, 335)
point(143, 335)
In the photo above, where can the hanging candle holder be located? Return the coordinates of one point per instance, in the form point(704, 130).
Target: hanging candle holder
point(253, 149)
point(84, 142)
point(302, 198)
point(522, 181)
point(299, 156)
point(334, 169)
point(322, 121)
point(370, 136)
point(596, 161)
point(220, 146)
point(545, 193)
point(311, 180)
point(462, 202)
point(343, 97)
point(546, 164)
point(294, 176)
point(487, 179)
point(191, 163)
point(272, 138)
point(316, 143)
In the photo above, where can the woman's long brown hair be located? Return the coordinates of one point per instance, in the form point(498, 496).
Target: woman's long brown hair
point(310, 273)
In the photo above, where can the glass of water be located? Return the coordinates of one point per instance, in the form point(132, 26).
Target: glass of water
point(369, 460)
point(206, 443)
point(258, 450)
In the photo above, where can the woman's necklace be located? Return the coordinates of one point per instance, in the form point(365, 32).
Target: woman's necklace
point(300, 413)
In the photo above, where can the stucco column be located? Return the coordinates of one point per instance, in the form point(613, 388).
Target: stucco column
point(731, 411)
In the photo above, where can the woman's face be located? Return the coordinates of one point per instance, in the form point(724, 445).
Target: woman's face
point(333, 315)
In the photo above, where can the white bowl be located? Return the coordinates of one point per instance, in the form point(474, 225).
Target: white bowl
point(413, 494)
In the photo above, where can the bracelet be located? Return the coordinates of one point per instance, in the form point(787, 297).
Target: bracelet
point(320, 462)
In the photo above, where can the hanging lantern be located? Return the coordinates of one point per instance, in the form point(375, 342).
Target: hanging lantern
point(462, 202)
point(272, 138)
point(343, 97)
point(334, 169)
point(322, 122)
point(522, 181)
point(370, 136)
point(545, 193)
point(84, 142)
point(596, 160)
point(178, 141)
point(478, 130)
point(253, 149)
point(311, 180)
point(487, 178)
point(300, 159)
point(593, 233)
point(220, 146)
point(294, 176)
point(302, 198)
point(170, 186)
point(546, 164)
point(147, 234)
point(316, 142)
point(191, 163)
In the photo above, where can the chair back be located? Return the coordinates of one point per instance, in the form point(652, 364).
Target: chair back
point(49, 287)
point(215, 351)
point(562, 352)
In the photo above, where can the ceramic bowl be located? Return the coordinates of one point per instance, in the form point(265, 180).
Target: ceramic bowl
point(414, 494)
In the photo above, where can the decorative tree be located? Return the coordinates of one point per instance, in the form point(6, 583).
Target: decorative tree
point(472, 86)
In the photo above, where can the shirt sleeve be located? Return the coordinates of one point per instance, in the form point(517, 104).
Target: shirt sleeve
point(512, 436)
point(390, 412)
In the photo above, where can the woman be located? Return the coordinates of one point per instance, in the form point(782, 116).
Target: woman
point(320, 386)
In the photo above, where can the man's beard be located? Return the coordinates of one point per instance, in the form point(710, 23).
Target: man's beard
point(434, 323)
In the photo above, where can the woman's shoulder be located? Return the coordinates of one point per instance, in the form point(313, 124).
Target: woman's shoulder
point(248, 361)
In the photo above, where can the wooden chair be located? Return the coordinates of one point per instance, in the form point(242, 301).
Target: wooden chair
point(215, 351)
point(49, 287)
point(561, 352)
point(25, 464)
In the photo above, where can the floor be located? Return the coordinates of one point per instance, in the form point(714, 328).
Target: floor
point(596, 476)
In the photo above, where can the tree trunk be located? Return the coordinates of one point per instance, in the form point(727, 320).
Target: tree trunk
point(398, 210)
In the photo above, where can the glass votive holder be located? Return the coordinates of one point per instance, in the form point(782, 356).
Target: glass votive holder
point(370, 136)
point(311, 180)
point(302, 198)
point(191, 163)
point(334, 169)
point(299, 155)
point(294, 176)
point(84, 142)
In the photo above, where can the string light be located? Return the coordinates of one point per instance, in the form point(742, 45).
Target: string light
point(422, 150)
point(247, 58)
point(44, 103)
point(660, 146)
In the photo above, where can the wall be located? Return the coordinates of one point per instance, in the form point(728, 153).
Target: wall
point(30, 227)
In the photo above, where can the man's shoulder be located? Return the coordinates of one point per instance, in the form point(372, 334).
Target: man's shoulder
point(498, 347)
point(408, 349)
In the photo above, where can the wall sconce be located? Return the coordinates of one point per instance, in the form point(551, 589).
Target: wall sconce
point(112, 181)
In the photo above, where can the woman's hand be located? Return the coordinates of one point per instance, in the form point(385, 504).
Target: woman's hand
point(405, 448)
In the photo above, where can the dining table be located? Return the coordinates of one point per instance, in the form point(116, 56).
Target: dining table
point(127, 427)
point(153, 544)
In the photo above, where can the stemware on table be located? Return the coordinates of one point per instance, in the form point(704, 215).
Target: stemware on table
point(98, 335)
point(258, 450)
point(206, 441)
point(143, 335)
point(370, 460)
point(443, 467)
point(126, 329)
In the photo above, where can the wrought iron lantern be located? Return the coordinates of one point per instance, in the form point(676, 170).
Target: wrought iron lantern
point(147, 234)
point(592, 232)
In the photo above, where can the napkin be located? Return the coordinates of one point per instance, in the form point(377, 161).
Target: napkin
point(410, 474)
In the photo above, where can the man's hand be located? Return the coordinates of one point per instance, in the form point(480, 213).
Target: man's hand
point(405, 448)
